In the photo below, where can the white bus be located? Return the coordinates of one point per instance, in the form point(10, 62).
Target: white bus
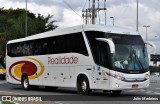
point(86, 57)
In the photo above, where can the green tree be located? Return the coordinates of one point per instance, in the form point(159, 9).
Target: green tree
point(12, 25)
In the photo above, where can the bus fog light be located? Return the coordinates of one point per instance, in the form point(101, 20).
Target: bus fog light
point(117, 85)
point(147, 76)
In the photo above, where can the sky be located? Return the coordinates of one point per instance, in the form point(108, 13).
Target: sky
point(68, 13)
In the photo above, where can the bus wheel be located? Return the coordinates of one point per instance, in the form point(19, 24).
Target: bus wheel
point(25, 83)
point(84, 86)
point(116, 92)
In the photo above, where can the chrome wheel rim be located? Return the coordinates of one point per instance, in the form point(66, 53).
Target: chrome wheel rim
point(84, 86)
point(25, 83)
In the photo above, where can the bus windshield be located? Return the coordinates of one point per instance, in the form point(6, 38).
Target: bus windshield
point(130, 52)
point(130, 57)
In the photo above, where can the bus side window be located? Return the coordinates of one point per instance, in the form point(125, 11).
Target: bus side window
point(104, 54)
point(69, 43)
point(76, 44)
point(11, 50)
point(51, 46)
point(100, 50)
point(44, 49)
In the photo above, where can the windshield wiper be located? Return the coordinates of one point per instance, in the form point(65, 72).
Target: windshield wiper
point(138, 59)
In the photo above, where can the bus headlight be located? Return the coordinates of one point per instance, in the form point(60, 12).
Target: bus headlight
point(117, 85)
point(119, 77)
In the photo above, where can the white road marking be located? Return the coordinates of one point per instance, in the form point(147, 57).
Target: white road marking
point(11, 92)
point(144, 91)
point(2, 82)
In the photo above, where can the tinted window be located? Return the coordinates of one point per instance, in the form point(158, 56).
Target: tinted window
point(127, 39)
point(129, 56)
point(100, 50)
point(71, 43)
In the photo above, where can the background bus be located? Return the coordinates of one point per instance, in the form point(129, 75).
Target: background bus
point(2, 72)
point(85, 57)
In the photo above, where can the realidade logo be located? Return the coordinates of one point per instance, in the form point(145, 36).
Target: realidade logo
point(27, 66)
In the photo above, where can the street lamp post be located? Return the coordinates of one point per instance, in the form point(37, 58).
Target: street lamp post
point(137, 15)
point(146, 30)
point(113, 20)
point(26, 20)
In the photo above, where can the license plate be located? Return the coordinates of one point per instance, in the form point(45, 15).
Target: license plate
point(135, 86)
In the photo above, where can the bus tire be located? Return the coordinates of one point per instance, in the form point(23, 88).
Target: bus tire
point(25, 83)
point(116, 93)
point(84, 86)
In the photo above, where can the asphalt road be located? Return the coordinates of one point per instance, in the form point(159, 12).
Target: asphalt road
point(97, 97)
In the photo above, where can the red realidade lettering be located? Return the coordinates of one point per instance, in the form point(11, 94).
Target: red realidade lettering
point(63, 60)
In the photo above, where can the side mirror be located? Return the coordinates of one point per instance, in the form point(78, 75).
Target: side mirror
point(152, 45)
point(109, 42)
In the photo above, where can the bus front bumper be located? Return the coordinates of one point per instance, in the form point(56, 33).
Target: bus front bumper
point(121, 85)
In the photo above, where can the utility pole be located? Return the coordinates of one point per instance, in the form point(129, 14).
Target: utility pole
point(105, 11)
point(86, 15)
point(137, 15)
point(93, 12)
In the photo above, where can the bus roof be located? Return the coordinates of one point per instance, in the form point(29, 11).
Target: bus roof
point(80, 28)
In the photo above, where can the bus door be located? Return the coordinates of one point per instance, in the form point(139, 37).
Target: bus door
point(49, 78)
point(103, 61)
point(72, 76)
point(65, 76)
point(56, 76)
point(61, 76)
